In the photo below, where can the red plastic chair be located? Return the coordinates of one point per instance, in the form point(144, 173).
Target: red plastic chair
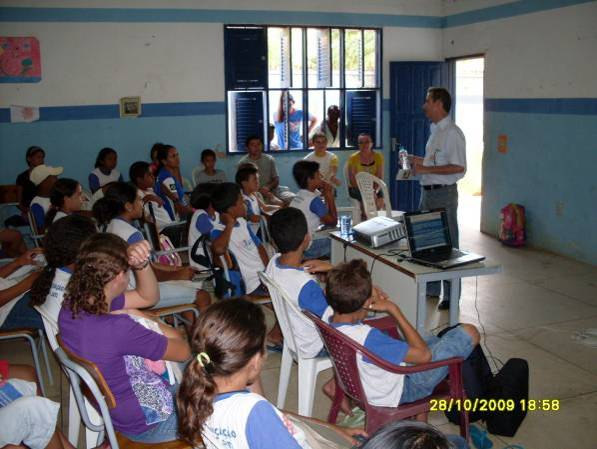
point(343, 352)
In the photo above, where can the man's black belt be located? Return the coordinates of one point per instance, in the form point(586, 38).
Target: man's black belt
point(436, 186)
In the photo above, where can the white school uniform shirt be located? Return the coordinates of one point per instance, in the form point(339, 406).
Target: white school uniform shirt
point(59, 215)
point(162, 218)
point(446, 145)
point(252, 209)
point(245, 420)
point(201, 224)
point(39, 207)
point(383, 389)
point(97, 179)
point(305, 293)
point(243, 246)
point(124, 230)
point(312, 206)
point(53, 303)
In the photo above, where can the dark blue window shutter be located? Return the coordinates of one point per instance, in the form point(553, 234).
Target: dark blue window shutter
point(361, 115)
point(249, 116)
point(245, 53)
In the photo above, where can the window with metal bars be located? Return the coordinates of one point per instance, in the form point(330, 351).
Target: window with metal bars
point(288, 78)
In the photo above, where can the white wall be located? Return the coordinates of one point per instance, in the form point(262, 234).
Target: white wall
point(547, 54)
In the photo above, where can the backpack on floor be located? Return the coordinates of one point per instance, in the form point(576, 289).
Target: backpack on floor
point(512, 230)
point(477, 378)
point(510, 383)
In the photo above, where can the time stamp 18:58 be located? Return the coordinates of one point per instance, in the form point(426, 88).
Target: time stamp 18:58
point(494, 405)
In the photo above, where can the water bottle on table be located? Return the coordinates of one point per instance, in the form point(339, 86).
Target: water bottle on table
point(345, 225)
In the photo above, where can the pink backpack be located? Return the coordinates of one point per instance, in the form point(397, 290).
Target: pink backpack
point(172, 259)
point(512, 225)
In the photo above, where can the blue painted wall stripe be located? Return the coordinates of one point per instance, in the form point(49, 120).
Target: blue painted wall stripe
point(18, 14)
point(566, 106)
point(128, 15)
point(506, 10)
point(93, 112)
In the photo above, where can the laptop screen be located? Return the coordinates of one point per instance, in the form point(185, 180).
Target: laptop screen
point(427, 230)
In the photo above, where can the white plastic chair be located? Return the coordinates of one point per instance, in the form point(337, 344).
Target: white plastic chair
point(308, 368)
point(355, 205)
point(366, 182)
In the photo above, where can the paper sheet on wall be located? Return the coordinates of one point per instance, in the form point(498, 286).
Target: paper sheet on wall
point(23, 114)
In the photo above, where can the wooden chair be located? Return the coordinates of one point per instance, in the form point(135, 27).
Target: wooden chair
point(344, 353)
point(88, 382)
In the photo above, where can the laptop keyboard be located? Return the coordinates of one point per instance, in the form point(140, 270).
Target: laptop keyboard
point(438, 257)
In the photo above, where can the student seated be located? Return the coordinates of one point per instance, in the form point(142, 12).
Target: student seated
point(141, 175)
point(34, 156)
point(16, 279)
point(234, 234)
point(317, 211)
point(94, 324)
point(62, 242)
point(116, 211)
point(169, 183)
point(209, 172)
point(247, 177)
point(66, 198)
point(408, 434)
point(28, 420)
point(349, 292)
point(105, 170)
point(214, 402)
point(328, 161)
point(288, 228)
point(201, 223)
point(44, 177)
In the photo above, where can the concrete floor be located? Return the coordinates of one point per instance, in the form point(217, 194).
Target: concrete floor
point(530, 310)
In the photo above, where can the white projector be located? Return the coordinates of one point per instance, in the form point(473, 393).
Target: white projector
point(378, 231)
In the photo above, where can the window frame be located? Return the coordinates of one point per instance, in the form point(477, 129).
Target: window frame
point(305, 89)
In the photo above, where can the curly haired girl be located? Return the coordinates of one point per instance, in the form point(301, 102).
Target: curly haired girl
point(94, 324)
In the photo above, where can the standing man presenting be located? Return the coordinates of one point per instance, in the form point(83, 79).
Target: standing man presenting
point(443, 165)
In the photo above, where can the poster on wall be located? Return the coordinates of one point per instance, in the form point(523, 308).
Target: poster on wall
point(20, 60)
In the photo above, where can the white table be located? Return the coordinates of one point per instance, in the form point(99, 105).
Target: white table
point(405, 282)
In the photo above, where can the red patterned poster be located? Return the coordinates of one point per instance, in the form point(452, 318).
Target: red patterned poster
point(20, 60)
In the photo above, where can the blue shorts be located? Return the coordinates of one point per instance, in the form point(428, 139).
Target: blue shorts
point(23, 315)
point(454, 343)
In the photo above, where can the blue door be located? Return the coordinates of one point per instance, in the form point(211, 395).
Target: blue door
point(408, 125)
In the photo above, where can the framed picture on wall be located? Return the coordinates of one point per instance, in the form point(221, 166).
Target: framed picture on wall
point(130, 106)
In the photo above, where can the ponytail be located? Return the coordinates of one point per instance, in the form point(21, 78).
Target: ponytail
point(63, 188)
point(226, 337)
point(114, 201)
point(61, 244)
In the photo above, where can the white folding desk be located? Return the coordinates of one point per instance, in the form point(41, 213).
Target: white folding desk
point(405, 282)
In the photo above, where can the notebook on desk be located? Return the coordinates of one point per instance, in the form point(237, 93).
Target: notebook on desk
point(429, 242)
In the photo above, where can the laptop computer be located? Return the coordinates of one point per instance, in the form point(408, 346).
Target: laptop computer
point(429, 240)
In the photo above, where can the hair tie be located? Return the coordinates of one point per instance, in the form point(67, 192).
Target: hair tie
point(201, 357)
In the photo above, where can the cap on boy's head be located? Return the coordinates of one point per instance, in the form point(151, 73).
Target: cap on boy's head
point(225, 196)
point(348, 286)
point(41, 172)
point(288, 228)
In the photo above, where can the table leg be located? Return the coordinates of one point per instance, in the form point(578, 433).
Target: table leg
point(421, 306)
point(454, 301)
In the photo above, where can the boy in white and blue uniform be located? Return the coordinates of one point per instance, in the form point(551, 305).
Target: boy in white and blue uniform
point(288, 228)
point(245, 420)
point(247, 177)
point(317, 211)
point(201, 223)
point(43, 177)
point(349, 292)
point(234, 234)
